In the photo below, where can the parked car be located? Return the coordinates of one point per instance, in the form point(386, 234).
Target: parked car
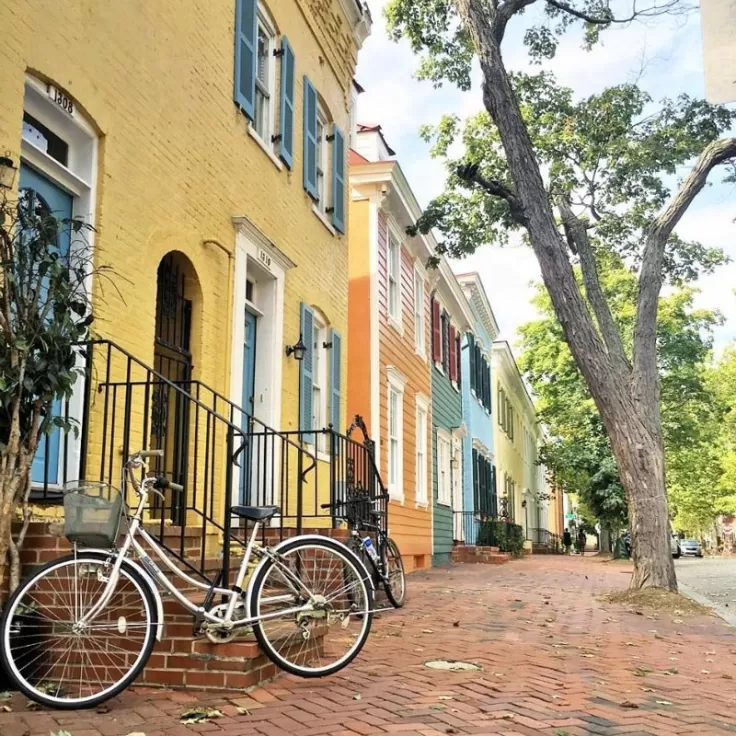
point(674, 544)
point(691, 548)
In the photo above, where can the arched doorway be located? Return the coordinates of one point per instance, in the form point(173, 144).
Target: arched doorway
point(176, 286)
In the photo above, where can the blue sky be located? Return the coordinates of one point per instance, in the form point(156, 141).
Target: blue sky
point(666, 58)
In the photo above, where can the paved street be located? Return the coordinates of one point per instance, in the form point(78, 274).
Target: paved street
point(555, 660)
point(712, 577)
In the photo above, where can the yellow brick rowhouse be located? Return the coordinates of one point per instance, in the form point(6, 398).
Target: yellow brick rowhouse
point(206, 144)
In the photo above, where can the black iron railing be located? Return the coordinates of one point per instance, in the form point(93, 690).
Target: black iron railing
point(545, 538)
point(222, 456)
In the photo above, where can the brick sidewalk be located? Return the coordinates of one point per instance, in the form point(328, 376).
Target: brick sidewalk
point(555, 660)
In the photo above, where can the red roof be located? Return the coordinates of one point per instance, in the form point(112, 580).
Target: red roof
point(355, 159)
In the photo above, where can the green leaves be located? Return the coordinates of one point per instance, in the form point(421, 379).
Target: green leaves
point(579, 452)
point(48, 309)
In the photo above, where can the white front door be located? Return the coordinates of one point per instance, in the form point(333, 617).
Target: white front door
point(457, 490)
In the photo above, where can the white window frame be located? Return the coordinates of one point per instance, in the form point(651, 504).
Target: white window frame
point(394, 279)
point(421, 451)
point(324, 171)
point(444, 468)
point(396, 387)
point(265, 25)
point(420, 313)
point(319, 380)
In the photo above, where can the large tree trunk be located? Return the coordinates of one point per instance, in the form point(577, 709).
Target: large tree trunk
point(640, 457)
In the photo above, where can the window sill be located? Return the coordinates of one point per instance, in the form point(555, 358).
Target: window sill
point(421, 505)
point(444, 503)
point(421, 353)
point(396, 324)
point(394, 496)
point(275, 160)
point(323, 219)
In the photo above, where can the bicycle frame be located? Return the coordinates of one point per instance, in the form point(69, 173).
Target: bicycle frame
point(232, 594)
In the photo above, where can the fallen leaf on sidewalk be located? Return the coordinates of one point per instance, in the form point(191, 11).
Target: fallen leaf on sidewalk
point(436, 706)
point(671, 671)
point(357, 696)
point(427, 631)
point(704, 672)
point(6, 695)
point(629, 704)
point(200, 715)
point(102, 708)
point(136, 733)
point(727, 677)
point(5, 709)
point(452, 666)
point(641, 671)
point(649, 690)
point(663, 702)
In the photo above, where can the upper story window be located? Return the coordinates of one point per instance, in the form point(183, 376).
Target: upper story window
point(480, 374)
point(324, 160)
point(265, 81)
point(446, 352)
point(506, 416)
point(394, 278)
point(419, 318)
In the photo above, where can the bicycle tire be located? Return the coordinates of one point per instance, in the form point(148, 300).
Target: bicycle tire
point(366, 617)
point(127, 570)
point(391, 548)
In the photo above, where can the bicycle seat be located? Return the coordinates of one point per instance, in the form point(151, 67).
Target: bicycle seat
point(255, 513)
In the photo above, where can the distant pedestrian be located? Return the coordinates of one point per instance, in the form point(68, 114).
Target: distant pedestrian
point(567, 541)
point(582, 541)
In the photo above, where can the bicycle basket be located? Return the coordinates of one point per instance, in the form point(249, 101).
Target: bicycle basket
point(92, 514)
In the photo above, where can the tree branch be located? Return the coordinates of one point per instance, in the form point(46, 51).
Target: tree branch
point(576, 230)
point(606, 20)
point(504, 14)
point(469, 173)
point(651, 276)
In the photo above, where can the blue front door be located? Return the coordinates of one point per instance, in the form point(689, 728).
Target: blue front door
point(249, 382)
point(57, 202)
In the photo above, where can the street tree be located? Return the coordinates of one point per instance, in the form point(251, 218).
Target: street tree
point(577, 178)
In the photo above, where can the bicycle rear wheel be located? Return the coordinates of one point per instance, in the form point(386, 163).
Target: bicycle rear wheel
point(314, 604)
point(395, 583)
point(59, 662)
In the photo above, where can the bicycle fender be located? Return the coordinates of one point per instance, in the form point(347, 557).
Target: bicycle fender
point(149, 582)
point(318, 538)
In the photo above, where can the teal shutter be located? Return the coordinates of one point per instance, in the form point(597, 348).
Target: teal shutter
point(245, 56)
point(286, 142)
point(338, 180)
point(310, 139)
point(305, 373)
point(335, 380)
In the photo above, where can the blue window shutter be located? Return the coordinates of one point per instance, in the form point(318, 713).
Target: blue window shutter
point(338, 180)
point(335, 380)
point(310, 138)
point(245, 55)
point(305, 372)
point(286, 143)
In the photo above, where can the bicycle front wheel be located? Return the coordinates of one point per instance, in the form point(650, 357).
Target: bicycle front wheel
point(62, 662)
point(313, 602)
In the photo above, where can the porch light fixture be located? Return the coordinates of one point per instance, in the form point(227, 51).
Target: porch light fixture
point(7, 172)
point(298, 350)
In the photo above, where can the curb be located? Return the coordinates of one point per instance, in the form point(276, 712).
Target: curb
point(726, 614)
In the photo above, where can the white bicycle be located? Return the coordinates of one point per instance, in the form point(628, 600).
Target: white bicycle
point(81, 629)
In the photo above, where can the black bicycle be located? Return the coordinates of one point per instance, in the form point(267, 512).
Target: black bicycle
point(381, 558)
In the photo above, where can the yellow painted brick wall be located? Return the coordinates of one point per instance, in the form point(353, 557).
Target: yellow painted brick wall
point(176, 162)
